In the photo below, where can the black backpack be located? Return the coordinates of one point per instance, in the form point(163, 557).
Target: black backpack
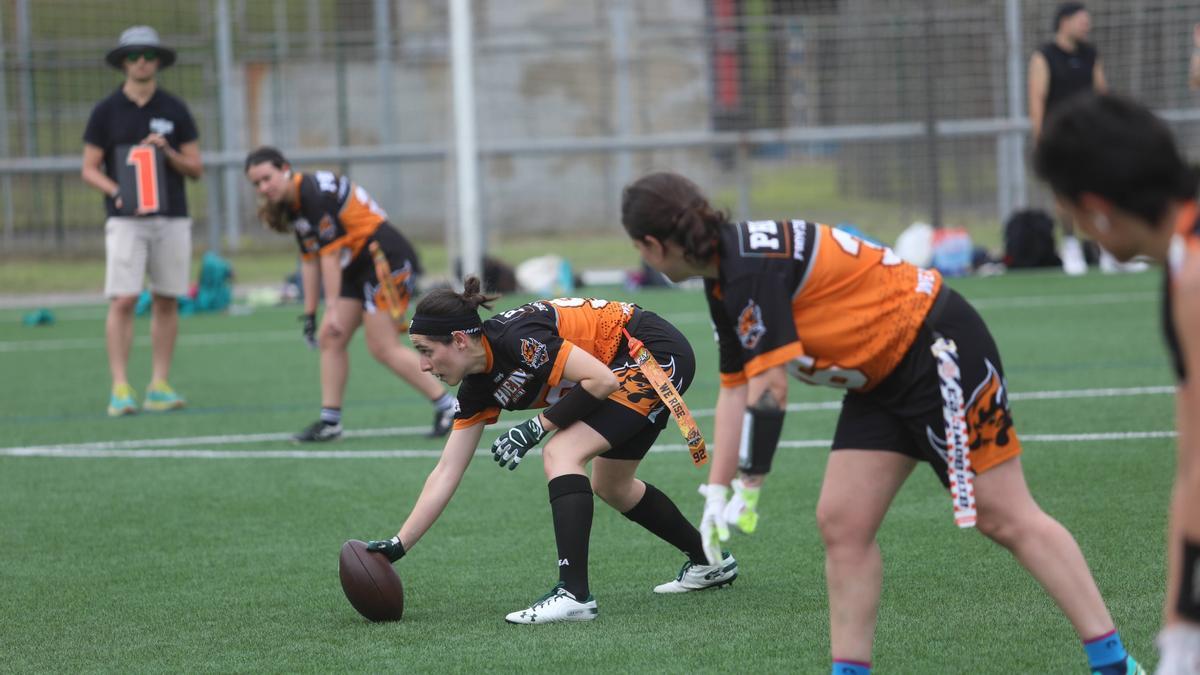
point(1029, 240)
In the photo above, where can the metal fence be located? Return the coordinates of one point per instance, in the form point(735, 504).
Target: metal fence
point(878, 112)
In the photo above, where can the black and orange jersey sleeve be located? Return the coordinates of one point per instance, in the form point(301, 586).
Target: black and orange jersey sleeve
point(475, 403)
point(729, 351)
point(316, 223)
point(529, 341)
point(761, 265)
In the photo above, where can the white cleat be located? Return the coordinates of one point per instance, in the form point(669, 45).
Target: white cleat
point(557, 605)
point(693, 577)
point(1073, 262)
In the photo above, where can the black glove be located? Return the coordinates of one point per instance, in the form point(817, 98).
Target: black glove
point(392, 548)
point(511, 447)
point(310, 329)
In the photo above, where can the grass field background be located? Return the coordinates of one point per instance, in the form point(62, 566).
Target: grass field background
point(178, 542)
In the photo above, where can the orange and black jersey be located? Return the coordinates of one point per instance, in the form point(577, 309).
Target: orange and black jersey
point(332, 214)
point(527, 348)
point(1185, 243)
point(835, 309)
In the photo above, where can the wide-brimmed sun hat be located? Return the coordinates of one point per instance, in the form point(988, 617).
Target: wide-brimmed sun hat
point(139, 38)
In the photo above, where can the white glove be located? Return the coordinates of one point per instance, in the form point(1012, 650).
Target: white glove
point(1179, 651)
point(713, 528)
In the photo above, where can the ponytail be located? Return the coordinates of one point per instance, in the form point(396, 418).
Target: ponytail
point(444, 311)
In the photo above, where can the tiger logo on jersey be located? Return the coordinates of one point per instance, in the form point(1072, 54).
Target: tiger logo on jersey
point(750, 327)
point(326, 228)
point(635, 391)
point(534, 353)
point(989, 422)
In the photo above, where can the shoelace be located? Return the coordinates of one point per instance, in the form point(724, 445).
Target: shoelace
point(545, 599)
point(683, 570)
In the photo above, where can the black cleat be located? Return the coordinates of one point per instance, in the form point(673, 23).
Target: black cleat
point(443, 422)
point(319, 431)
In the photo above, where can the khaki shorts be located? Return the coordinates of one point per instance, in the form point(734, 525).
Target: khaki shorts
point(159, 246)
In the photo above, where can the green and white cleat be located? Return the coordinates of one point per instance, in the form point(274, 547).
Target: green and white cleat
point(555, 606)
point(160, 397)
point(693, 577)
point(122, 401)
point(742, 510)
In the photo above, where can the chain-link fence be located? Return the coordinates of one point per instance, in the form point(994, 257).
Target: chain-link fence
point(878, 112)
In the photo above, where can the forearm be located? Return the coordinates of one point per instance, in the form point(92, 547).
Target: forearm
point(187, 164)
point(727, 433)
point(1194, 70)
point(439, 488)
point(310, 279)
point(331, 275)
point(96, 178)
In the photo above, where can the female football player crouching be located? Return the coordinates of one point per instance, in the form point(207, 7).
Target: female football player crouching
point(572, 355)
point(924, 381)
point(1118, 171)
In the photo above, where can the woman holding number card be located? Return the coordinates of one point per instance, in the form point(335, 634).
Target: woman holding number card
point(338, 226)
point(572, 355)
point(924, 384)
point(139, 144)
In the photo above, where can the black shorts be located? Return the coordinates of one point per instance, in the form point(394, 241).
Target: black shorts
point(906, 412)
point(631, 419)
point(359, 280)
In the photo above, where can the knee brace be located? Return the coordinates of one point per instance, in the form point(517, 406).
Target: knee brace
point(761, 427)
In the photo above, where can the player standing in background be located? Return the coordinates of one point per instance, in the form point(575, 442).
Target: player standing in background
point(571, 354)
point(148, 132)
point(1059, 70)
point(924, 381)
point(334, 222)
point(1117, 169)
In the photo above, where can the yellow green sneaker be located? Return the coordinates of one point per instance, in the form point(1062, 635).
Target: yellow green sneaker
point(160, 397)
point(122, 401)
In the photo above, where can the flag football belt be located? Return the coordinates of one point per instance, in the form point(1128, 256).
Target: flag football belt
point(397, 301)
point(670, 397)
point(958, 459)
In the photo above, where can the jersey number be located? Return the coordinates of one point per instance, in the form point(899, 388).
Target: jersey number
point(596, 303)
point(853, 245)
point(145, 176)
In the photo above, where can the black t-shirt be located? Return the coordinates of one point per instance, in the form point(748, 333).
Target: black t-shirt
point(117, 121)
point(1070, 72)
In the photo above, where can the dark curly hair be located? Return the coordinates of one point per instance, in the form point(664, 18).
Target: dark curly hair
point(669, 207)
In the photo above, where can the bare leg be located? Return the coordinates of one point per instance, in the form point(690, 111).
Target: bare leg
point(118, 331)
point(858, 488)
point(1009, 516)
point(404, 362)
point(164, 328)
point(338, 326)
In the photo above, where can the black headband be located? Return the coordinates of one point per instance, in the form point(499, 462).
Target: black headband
point(427, 324)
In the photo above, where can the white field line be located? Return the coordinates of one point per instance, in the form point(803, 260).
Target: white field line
point(203, 339)
point(204, 453)
point(159, 445)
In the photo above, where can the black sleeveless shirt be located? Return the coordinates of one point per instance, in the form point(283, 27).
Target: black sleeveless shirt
point(1187, 235)
point(1070, 72)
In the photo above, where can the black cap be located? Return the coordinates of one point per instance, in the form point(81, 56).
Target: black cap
point(1065, 10)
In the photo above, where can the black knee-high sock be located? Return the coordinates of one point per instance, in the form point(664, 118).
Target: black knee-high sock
point(571, 505)
point(657, 513)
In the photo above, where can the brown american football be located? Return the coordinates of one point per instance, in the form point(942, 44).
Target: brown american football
point(370, 583)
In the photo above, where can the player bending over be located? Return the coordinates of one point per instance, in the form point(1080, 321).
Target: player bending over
point(335, 223)
point(924, 384)
point(1116, 169)
point(572, 355)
